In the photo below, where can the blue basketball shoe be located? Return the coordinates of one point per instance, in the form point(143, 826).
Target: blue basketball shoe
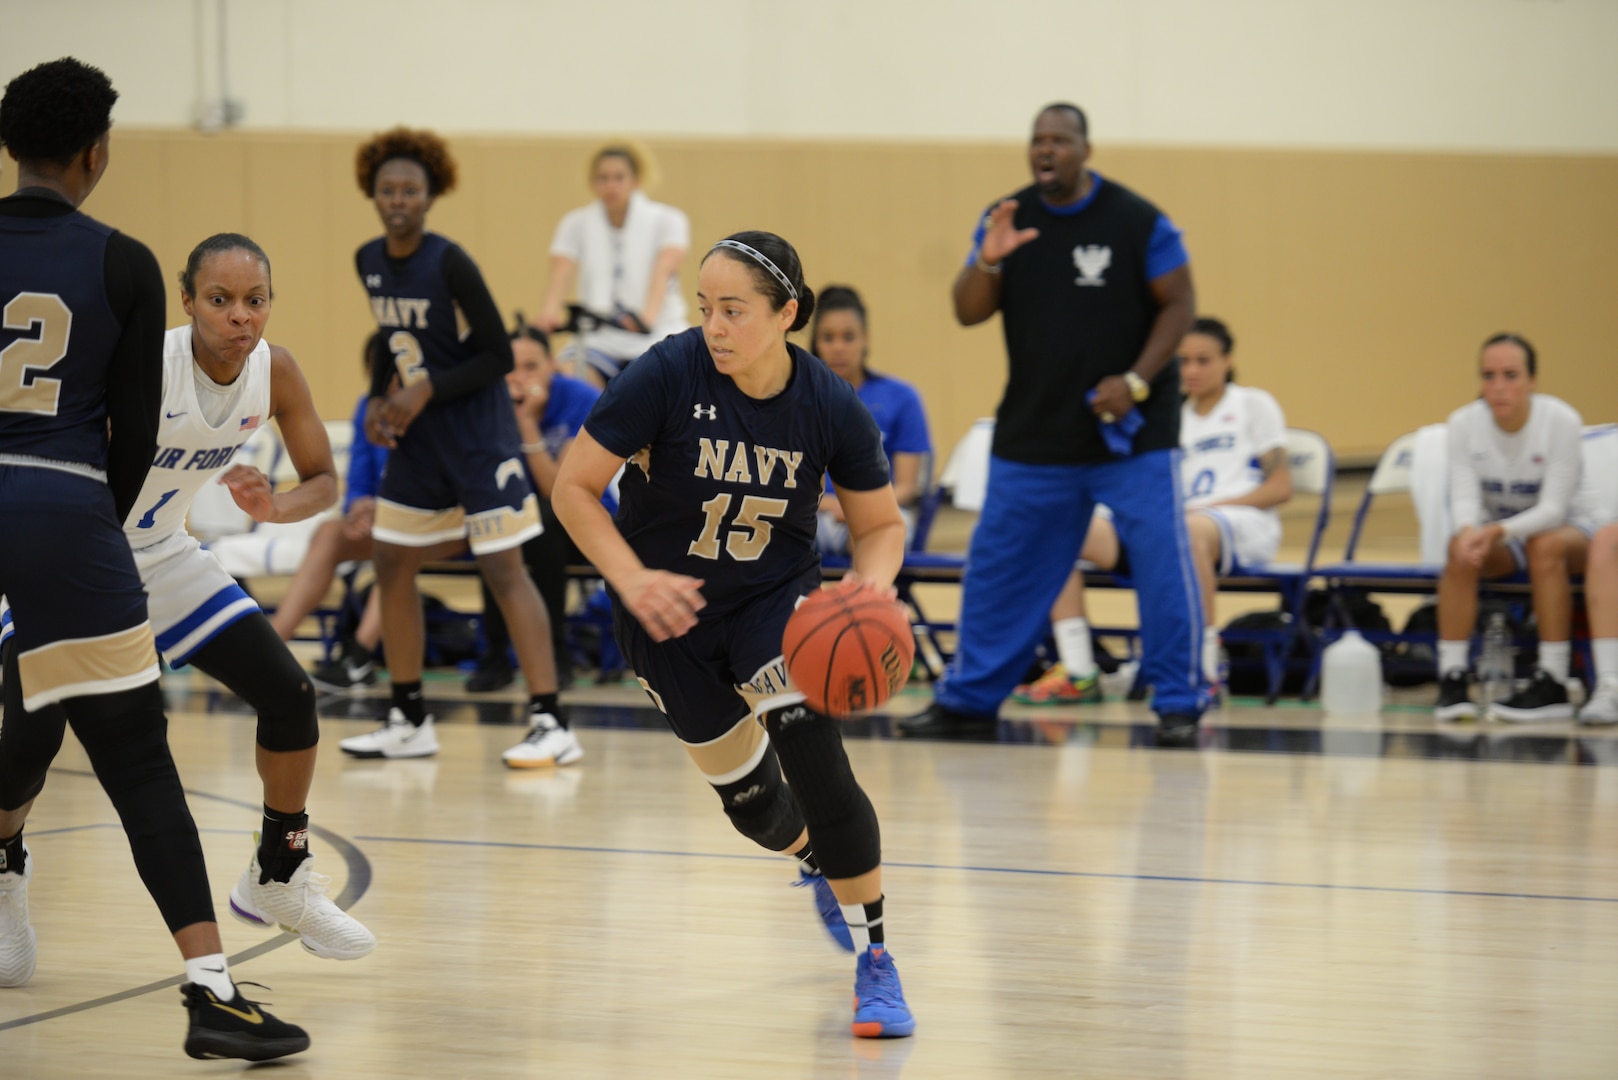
point(826, 904)
point(880, 1011)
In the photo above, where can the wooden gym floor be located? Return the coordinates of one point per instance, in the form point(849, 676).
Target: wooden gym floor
point(1299, 898)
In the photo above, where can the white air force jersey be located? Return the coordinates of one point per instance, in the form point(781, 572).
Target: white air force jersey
point(190, 450)
point(1222, 449)
point(1527, 479)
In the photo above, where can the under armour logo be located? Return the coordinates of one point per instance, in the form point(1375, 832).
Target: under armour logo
point(373, 281)
point(797, 712)
point(700, 413)
point(1091, 261)
point(746, 796)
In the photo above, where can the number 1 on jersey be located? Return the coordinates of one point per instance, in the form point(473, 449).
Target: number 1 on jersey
point(149, 518)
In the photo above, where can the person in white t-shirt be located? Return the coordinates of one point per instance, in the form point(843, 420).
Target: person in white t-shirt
point(1514, 467)
point(620, 256)
point(1234, 475)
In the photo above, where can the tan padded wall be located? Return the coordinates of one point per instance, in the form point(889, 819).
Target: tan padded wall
point(1358, 284)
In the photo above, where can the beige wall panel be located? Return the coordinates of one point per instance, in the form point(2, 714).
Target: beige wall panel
point(1358, 284)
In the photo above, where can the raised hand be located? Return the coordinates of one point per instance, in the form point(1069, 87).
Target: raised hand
point(1002, 237)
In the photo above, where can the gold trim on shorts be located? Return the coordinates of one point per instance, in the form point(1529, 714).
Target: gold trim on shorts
point(78, 667)
point(733, 755)
point(501, 528)
point(409, 526)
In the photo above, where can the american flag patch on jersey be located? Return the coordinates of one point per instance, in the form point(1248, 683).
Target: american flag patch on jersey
point(248, 423)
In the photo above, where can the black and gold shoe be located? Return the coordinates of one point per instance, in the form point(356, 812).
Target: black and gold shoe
point(236, 1028)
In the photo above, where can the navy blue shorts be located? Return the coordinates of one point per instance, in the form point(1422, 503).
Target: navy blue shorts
point(459, 473)
point(77, 604)
point(714, 676)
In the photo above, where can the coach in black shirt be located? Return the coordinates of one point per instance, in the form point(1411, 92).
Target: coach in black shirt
point(1094, 290)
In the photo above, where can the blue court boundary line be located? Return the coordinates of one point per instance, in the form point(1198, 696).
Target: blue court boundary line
point(1098, 875)
point(359, 881)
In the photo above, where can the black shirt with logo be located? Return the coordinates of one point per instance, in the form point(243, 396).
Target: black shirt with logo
point(1076, 306)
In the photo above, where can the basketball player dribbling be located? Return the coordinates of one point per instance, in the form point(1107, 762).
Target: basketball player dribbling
point(728, 430)
point(81, 386)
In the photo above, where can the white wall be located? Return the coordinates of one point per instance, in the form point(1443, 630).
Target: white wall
point(1529, 75)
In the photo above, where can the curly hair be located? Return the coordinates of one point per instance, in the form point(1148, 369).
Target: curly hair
point(53, 111)
point(423, 147)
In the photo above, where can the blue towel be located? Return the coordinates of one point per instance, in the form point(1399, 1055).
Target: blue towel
point(1120, 433)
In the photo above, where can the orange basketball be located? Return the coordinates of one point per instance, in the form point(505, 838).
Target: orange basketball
point(848, 649)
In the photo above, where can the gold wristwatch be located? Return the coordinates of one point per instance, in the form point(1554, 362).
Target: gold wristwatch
point(1139, 388)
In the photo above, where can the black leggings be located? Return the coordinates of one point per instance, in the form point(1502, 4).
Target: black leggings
point(250, 658)
point(125, 736)
point(546, 557)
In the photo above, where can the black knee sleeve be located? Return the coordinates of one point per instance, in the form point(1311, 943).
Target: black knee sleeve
point(843, 829)
point(250, 658)
point(761, 806)
point(125, 737)
point(29, 741)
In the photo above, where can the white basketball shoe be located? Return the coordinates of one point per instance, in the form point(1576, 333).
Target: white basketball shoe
point(396, 738)
point(18, 944)
point(301, 906)
point(1602, 708)
point(548, 743)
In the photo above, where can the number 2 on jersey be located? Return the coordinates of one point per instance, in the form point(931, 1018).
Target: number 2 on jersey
point(1203, 484)
point(749, 533)
point(407, 357)
point(19, 393)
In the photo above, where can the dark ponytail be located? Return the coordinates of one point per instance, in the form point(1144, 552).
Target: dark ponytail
point(785, 259)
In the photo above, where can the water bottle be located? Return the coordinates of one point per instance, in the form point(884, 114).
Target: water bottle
point(1351, 677)
point(1495, 666)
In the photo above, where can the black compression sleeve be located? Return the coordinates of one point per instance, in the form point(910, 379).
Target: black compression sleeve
point(491, 358)
point(135, 370)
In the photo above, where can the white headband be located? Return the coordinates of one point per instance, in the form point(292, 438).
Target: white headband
point(763, 260)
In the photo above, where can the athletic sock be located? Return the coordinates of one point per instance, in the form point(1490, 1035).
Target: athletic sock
point(1605, 651)
point(864, 923)
point(1452, 656)
point(211, 972)
point(1554, 657)
point(408, 700)
point(806, 860)
point(356, 655)
point(546, 703)
point(282, 845)
point(1210, 653)
point(1073, 647)
point(13, 860)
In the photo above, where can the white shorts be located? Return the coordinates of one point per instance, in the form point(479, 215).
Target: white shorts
point(1248, 537)
point(189, 597)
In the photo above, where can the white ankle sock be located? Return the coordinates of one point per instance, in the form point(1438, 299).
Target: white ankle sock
point(1210, 653)
point(211, 972)
point(1452, 656)
point(1606, 656)
point(1073, 647)
point(1554, 657)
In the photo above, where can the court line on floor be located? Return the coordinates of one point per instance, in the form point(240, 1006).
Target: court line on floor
point(359, 880)
point(1177, 879)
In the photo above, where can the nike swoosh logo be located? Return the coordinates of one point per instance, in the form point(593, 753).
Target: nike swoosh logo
point(172, 415)
point(251, 1015)
point(218, 970)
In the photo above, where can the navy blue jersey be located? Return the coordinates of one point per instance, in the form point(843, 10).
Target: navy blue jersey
point(724, 487)
point(56, 338)
point(414, 303)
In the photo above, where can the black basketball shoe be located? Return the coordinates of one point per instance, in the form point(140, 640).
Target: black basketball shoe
point(237, 1028)
point(1454, 698)
point(1544, 698)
